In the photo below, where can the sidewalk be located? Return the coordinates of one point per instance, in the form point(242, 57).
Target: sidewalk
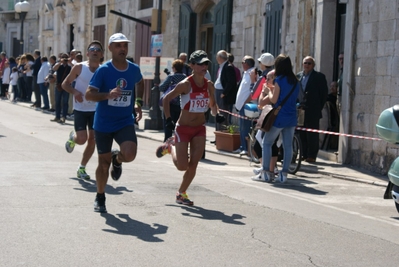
point(322, 166)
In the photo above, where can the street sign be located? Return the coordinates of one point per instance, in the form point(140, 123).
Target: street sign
point(156, 45)
point(147, 66)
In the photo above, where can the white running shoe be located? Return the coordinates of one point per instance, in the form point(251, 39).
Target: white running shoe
point(282, 177)
point(257, 170)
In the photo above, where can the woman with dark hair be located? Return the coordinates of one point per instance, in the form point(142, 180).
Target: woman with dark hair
point(173, 79)
point(197, 95)
point(286, 120)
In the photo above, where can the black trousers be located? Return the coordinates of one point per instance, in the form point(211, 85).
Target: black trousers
point(310, 141)
point(174, 114)
point(36, 90)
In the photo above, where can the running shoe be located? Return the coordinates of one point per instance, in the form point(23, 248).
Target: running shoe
point(258, 178)
point(257, 170)
point(116, 170)
point(282, 177)
point(182, 198)
point(82, 174)
point(267, 176)
point(276, 170)
point(70, 144)
point(99, 204)
point(165, 148)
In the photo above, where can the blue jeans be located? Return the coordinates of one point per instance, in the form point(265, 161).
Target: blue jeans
point(245, 127)
point(268, 140)
point(61, 99)
point(15, 91)
point(44, 93)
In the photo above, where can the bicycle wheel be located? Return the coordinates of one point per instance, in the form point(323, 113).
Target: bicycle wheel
point(252, 140)
point(296, 154)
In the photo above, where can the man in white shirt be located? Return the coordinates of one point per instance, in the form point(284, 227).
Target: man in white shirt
point(243, 97)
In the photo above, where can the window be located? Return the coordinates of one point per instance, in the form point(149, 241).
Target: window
point(146, 4)
point(100, 11)
point(11, 4)
point(99, 33)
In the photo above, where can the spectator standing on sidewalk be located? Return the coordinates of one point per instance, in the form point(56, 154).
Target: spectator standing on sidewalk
point(30, 60)
point(197, 96)
point(115, 85)
point(237, 70)
point(61, 96)
point(186, 68)
point(315, 89)
point(35, 87)
point(6, 79)
point(174, 106)
point(84, 110)
point(243, 97)
point(13, 82)
point(286, 120)
point(225, 87)
point(3, 60)
point(22, 77)
point(41, 81)
point(51, 80)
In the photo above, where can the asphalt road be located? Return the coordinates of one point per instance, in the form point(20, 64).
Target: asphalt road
point(47, 218)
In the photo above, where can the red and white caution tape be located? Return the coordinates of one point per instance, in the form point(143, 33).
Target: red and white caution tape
point(236, 115)
point(340, 134)
point(311, 130)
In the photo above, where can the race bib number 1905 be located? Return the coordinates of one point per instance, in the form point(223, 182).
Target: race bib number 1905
point(199, 102)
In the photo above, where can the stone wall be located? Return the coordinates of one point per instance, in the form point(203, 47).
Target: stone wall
point(376, 81)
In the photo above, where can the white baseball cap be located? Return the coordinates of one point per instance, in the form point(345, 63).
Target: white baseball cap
point(118, 38)
point(266, 59)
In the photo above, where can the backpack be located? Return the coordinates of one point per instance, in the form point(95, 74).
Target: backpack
point(174, 101)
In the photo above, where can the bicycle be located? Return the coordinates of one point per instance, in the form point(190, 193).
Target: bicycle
point(296, 160)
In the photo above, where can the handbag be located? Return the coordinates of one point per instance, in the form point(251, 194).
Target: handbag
point(174, 101)
point(269, 114)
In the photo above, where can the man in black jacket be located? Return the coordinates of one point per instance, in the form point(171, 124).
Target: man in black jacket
point(225, 87)
point(315, 90)
point(35, 87)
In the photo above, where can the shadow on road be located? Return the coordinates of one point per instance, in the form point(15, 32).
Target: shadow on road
point(300, 185)
point(124, 225)
point(90, 186)
point(201, 213)
point(208, 161)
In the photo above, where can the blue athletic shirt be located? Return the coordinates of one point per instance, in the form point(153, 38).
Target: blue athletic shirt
point(287, 116)
point(114, 114)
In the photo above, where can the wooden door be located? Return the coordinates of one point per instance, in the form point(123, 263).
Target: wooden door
point(221, 31)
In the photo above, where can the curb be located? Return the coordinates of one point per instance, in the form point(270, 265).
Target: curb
point(342, 177)
point(141, 133)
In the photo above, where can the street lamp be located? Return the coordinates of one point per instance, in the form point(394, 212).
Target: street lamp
point(22, 8)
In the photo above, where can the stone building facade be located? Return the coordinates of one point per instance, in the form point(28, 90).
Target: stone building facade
point(366, 30)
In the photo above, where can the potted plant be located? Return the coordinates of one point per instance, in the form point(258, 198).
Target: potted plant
point(228, 139)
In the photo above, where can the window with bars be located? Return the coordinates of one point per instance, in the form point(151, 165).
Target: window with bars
point(144, 4)
point(100, 11)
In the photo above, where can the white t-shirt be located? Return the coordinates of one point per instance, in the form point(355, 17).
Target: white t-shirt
point(82, 82)
point(30, 71)
point(6, 76)
point(14, 78)
point(244, 91)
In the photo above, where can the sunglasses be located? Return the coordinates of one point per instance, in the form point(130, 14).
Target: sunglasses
point(202, 64)
point(307, 63)
point(97, 49)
